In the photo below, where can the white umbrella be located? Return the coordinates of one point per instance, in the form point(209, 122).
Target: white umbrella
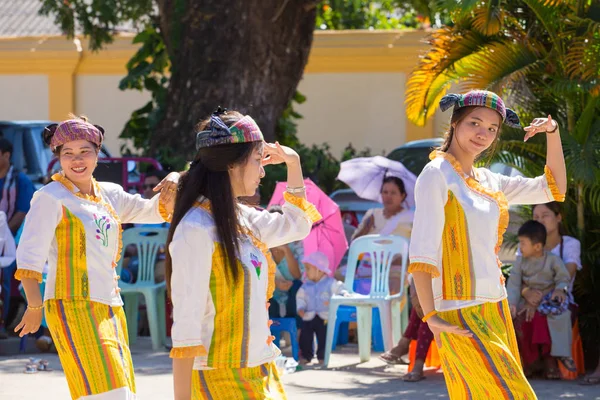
point(365, 176)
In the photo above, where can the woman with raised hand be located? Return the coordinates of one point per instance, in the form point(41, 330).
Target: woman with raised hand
point(220, 274)
point(461, 215)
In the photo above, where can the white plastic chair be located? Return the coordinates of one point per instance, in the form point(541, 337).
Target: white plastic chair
point(148, 242)
point(382, 250)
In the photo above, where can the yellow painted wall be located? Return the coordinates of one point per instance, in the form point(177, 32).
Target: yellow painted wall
point(24, 97)
point(354, 82)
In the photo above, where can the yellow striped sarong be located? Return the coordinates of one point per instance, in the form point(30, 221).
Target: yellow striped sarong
point(254, 383)
point(92, 343)
point(488, 365)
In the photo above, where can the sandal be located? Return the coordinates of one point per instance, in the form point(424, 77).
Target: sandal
point(392, 359)
point(568, 363)
point(413, 377)
point(589, 380)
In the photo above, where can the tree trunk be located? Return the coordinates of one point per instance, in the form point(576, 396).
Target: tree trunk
point(243, 55)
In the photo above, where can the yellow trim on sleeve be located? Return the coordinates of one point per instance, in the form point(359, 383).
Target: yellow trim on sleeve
point(308, 208)
point(188, 352)
point(424, 267)
point(21, 274)
point(166, 215)
point(556, 194)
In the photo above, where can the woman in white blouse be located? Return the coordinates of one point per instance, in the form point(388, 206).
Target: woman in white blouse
point(220, 274)
point(395, 218)
point(461, 215)
point(75, 223)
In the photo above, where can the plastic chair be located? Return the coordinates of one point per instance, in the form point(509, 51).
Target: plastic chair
point(148, 242)
point(288, 325)
point(347, 314)
point(382, 250)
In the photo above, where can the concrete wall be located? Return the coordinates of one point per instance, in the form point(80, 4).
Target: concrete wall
point(365, 109)
point(23, 97)
point(99, 98)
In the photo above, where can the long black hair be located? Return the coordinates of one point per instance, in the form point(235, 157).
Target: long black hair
point(208, 177)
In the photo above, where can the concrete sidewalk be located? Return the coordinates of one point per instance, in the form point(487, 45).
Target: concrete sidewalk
point(345, 379)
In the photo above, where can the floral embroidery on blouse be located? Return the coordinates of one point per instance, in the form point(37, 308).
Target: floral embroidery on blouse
point(103, 226)
point(256, 263)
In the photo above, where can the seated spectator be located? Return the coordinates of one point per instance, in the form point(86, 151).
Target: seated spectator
point(395, 218)
point(547, 326)
point(16, 191)
point(287, 278)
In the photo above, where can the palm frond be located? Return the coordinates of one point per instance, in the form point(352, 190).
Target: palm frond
point(561, 87)
point(591, 196)
point(457, 6)
point(547, 15)
point(488, 18)
point(583, 57)
point(500, 62)
point(447, 46)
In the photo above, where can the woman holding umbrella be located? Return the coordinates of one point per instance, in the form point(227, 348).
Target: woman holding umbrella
point(395, 218)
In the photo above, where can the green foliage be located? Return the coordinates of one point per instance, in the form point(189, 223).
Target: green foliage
point(98, 20)
point(147, 70)
point(364, 14)
point(543, 57)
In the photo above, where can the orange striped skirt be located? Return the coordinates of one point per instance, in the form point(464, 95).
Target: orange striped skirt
point(92, 343)
point(487, 365)
point(255, 383)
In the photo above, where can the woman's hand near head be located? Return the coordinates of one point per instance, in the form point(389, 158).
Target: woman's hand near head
point(274, 153)
point(168, 190)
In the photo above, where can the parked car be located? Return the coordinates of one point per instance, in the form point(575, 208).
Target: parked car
point(30, 153)
point(415, 155)
point(352, 207)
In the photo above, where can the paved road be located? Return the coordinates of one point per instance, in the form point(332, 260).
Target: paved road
point(346, 379)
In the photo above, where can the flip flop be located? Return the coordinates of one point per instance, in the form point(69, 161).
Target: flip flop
point(413, 377)
point(392, 359)
point(568, 363)
point(589, 380)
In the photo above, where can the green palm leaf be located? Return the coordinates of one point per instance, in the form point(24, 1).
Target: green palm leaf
point(424, 89)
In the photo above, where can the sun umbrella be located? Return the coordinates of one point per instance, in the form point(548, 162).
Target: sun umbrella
point(327, 234)
point(365, 176)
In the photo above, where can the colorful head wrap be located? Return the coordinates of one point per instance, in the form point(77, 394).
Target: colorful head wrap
point(243, 131)
point(73, 129)
point(481, 98)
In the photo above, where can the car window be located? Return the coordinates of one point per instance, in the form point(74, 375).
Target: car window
point(15, 135)
point(413, 158)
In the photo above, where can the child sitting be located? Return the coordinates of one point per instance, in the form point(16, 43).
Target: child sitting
point(541, 270)
point(312, 303)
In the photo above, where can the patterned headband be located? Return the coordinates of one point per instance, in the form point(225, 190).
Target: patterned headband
point(243, 131)
point(481, 98)
point(74, 129)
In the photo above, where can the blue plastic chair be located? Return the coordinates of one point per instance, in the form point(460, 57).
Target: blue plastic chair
point(148, 242)
point(288, 325)
point(381, 250)
point(347, 314)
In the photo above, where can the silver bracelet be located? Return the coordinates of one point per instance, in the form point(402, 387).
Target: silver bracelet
point(300, 189)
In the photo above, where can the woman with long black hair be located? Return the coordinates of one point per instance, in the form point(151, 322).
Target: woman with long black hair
point(220, 274)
